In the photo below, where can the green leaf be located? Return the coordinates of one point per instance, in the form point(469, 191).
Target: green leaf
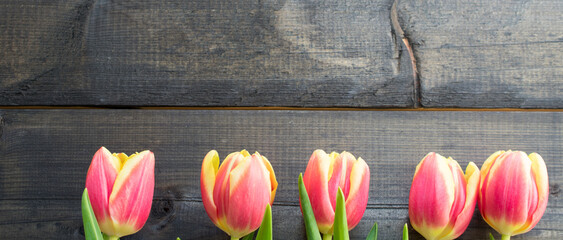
point(91, 228)
point(308, 216)
point(250, 236)
point(178, 238)
point(406, 232)
point(265, 230)
point(491, 236)
point(340, 221)
point(372, 233)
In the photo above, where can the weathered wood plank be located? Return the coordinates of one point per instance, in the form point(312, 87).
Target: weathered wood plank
point(487, 53)
point(44, 156)
point(187, 219)
point(201, 53)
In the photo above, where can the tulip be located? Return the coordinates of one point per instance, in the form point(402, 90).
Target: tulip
point(442, 198)
point(121, 188)
point(324, 174)
point(235, 195)
point(513, 191)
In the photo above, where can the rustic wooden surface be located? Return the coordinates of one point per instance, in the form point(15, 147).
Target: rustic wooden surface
point(289, 53)
point(479, 53)
point(202, 53)
point(45, 155)
point(292, 53)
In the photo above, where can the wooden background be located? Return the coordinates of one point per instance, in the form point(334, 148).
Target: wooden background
point(385, 80)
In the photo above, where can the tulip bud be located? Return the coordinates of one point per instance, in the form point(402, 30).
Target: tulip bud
point(120, 189)
point(513, 191)
point(442, 198)
point(236, 193)
point(324, 174)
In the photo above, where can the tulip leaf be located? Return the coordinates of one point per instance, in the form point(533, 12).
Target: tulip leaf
point(340, 221)
point(91, 228)
point(308, 216)
point(491, 236)
point(265, 230)
point(250, 236)
point(372, 233)
point(405, 232)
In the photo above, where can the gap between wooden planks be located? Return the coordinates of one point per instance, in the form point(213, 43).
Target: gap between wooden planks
point(298, 108)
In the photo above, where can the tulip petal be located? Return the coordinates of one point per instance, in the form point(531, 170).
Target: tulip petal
point(131, 199)
point(487, 167)
point(337, 177)
point(316, 183)
point(350, 161)
point(249, 190)
point(459, 197)
point(123, 157)
point(541, 186)
point(431, 196)
point(99, 182)
point(220, 189)
point(273, 181)
point(340, 177)
point(357, 198)
point(209, 169)
point(506, 191)
point(461, 221)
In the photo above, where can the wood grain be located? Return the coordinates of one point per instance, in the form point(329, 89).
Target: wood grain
point(202, 53)
point(44, 156)
point(487, 53)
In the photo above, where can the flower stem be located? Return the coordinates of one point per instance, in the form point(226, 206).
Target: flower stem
point(327, 236)
point(505, 237)
point(234, 238)
point(113, 238)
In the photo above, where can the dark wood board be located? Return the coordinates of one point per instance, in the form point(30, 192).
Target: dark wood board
point(487, 53)
point(44, 156)
point(202, 53)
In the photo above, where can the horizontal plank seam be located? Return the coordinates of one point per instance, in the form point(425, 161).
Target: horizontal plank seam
point(41, 221)
point(286, 108)
point(78, 219)
point(193, 200)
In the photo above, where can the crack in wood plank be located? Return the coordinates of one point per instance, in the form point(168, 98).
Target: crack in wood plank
point(399, 31)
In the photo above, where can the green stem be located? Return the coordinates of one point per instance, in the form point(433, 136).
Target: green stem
point(327, 236)
point(505, 237)
point(113, 238)
point(234, 238)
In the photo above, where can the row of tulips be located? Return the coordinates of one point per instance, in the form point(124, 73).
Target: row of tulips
point(511, 189)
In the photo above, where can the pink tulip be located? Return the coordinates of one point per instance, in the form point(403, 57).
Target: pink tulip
point(442, 198)
point(121, 188)
point(324, 174)
point(513, 192)
point(235, 195)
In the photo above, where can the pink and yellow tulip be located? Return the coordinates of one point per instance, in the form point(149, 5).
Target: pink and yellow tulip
point(513, 191)
point(235, 195)
point(324, 174)
point(442, 198)
point(120, 189)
